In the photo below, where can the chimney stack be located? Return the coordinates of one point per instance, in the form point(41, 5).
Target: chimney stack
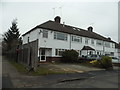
point(109, 38)
point(57, 19)
point(90, 29)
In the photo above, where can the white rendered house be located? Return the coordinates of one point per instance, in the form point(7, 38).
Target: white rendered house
point(54, 38)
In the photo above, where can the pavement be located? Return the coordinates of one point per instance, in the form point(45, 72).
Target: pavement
point(13, 79)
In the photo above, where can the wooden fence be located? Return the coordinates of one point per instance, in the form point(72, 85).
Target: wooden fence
point(26, 54)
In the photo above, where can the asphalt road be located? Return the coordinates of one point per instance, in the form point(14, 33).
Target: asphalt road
point(100, 79)
point(93, 79)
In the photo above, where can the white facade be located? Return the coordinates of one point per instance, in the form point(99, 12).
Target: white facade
point(49, 46)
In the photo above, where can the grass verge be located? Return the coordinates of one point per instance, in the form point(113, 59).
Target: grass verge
point(20, 68)
point(39, 71)
point(45, 71)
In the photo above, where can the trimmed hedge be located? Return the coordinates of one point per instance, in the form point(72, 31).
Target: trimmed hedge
point(70, 56)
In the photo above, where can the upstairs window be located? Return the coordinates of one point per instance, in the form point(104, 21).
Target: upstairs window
point(99, 42)
point(45, 34)
point(86, 40)
point(28, 40)
point(76, 39)
point(60, 36)
point(107, 44)
point(92, 41)
point(113, 45)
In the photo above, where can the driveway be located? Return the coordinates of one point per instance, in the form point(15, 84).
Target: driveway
point(74, 67)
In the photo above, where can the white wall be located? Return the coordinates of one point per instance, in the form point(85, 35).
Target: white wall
point(52, 43)
point(32, 36)
point(25, 39)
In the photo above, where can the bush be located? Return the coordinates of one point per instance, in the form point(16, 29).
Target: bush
point(105, 62)
point(70, 56)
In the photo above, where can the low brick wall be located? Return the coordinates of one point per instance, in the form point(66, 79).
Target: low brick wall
point(53, 59)
point(116, 64)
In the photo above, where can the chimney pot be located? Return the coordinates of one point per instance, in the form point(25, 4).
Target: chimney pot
point(90, 29)
point(109, 38)
point(57, 19)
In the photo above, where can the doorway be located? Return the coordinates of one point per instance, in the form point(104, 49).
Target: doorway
point(42, 55)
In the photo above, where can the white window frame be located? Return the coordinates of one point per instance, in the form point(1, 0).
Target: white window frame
point(107, 44)
point(113, 45)
point(58, 53)
point(45, 33)
point(92, 41)
point(99, 42)
point(86, 40)
point(75, 38)
point(59, 38)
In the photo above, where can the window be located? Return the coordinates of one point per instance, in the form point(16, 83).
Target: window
point(118, 50)
point(112, 53)
point(60, 36)
point(86, 40)
point(113, 45)
point(92, 41)
point(59, 52)
point(28, 39)
point(99, 42)
point(76, 39)
point(45, 34)
point(97, 53)
point(107, 44)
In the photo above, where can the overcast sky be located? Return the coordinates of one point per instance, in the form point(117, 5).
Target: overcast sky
point(103, 16)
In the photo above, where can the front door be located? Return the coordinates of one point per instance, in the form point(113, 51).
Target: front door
point(42, 55)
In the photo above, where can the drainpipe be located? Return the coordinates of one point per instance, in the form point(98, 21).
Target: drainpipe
point(70, 41)
point(103, 48)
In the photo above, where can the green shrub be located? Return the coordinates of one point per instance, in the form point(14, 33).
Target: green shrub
point(105, 62)
point(70, 56)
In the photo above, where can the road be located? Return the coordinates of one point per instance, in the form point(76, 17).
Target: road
point(101, 79)
point(91, 79)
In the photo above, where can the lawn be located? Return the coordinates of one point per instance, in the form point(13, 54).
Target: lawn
point(20, 68)
point(41, 70)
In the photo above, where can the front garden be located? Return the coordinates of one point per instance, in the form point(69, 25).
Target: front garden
point(71, 56)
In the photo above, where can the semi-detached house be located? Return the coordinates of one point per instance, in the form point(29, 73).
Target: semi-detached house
point(54, 38)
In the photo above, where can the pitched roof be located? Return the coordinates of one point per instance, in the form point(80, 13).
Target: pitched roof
point(52, 25)
point(117, 45)
point(87, 48)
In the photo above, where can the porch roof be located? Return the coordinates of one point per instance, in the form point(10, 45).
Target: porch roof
point(87, 48)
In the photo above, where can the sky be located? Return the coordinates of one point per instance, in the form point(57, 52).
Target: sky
point(101, 15)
